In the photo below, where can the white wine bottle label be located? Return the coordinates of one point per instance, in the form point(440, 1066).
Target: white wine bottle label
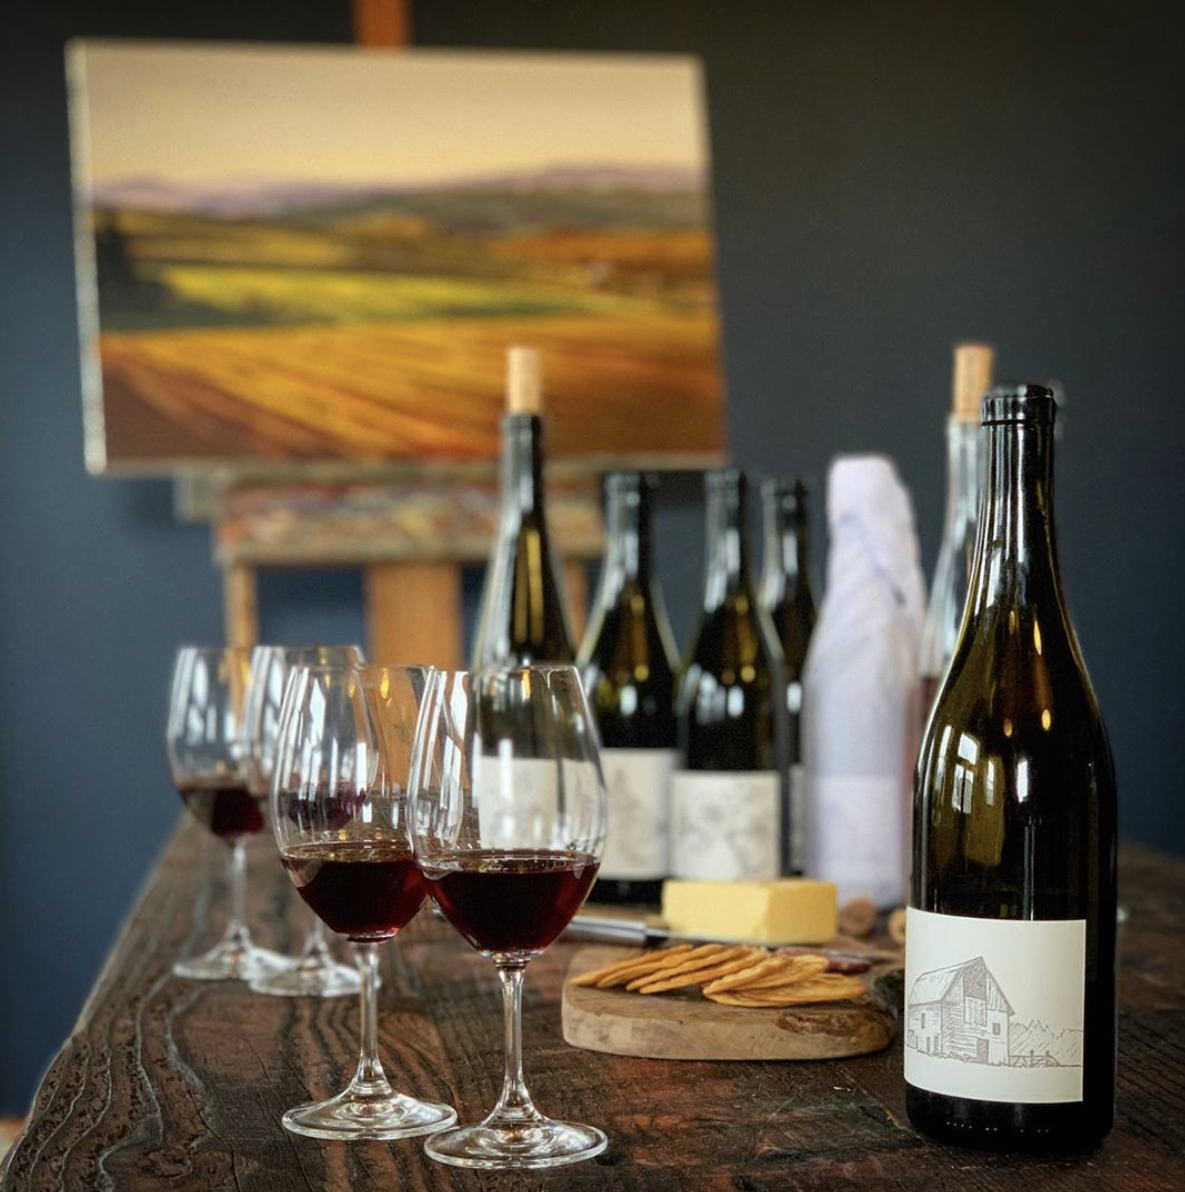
point(725, 826)
point(518, 800)
point(638, 782)
point(994, 1007)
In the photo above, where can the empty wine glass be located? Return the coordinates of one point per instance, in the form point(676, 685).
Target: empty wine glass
point(340, 817)
point(508, 818)
point(314, 973)
point(206, 761)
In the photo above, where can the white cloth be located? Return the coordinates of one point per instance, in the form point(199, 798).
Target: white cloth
point(860, 688)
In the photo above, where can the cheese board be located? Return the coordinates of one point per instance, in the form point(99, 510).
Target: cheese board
point(684, 1025)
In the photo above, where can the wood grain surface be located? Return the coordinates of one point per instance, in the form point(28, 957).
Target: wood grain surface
point(173, 1086)
point(685, 1025)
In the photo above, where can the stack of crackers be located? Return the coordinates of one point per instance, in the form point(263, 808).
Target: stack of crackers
point(732, 975)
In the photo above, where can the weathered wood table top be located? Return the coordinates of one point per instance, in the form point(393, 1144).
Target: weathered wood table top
point(167, 1084)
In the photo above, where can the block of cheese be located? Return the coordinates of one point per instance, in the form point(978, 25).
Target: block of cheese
point(787, 911)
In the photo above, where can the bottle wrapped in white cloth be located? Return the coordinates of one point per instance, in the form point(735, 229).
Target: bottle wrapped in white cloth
point(860, 688)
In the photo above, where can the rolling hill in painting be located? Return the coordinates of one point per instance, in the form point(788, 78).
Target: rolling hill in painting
point(287, 321)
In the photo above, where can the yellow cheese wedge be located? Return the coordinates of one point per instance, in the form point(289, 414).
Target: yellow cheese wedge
point(788, 911)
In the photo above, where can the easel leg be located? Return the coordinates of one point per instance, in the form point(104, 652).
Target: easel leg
point(576, 590)
point(241, 601)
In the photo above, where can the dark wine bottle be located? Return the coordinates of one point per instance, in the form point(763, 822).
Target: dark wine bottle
point(522, 619)
point(1010, 938)
point(728, 798)
point(629, 673)
point(786, 595)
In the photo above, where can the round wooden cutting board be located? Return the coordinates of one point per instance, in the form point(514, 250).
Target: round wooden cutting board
point(687, 1026)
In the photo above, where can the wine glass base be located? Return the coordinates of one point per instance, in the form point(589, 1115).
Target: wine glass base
point(306, 978)
point(348, 1116)
point(543, 1143)
point(232, 962)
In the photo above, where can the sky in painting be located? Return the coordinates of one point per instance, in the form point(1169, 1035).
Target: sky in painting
point(226, 112)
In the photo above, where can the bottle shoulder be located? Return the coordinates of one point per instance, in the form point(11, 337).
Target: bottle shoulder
point(793, 622)
point(627, 633)
point(523, 616)
point(736, 633)
point(1016, 709)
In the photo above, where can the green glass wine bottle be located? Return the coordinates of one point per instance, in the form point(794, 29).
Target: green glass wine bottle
point(729, 820)
point(1010, 939)
point(786, 594)
point(627, 661)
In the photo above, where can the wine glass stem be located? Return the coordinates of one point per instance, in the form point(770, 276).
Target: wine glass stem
point(370, 1080)
point(237, 934)
point(514, 1105)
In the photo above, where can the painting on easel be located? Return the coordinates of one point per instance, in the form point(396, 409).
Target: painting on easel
point(290, 255)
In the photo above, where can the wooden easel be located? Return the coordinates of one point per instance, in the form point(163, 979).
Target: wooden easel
point(411, 533)
point(413, 599)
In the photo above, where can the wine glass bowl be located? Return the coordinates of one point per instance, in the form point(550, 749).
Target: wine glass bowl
point(508, 819)
point(314, 973)
point(204, 744)
point(339, 813)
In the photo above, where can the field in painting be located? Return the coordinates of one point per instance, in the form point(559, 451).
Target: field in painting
point(374, 327)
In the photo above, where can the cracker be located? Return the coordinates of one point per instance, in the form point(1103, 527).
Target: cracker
point(734, 999)
point(832, 988)
point(829, 988)
point(633, 965)
point(753, 972)
point(801, 968)
point(655, 962)
point(698, 958)
point(701, 976)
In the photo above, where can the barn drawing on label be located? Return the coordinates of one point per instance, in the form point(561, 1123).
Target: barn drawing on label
point(962, 1013)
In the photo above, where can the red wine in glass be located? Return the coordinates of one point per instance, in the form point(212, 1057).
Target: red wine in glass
point(203, 738)
point(339, 813)
point(223, 807)
point(366, 890)
point(507, 815)
point(514, 901)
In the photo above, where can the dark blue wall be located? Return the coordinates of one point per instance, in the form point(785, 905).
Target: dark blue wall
point(890, 176)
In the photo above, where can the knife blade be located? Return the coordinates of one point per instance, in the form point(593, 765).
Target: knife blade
point(642, 933)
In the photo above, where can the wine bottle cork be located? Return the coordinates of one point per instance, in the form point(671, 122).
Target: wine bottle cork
point(897, 925)
point(974, 365)
point(524, 381)
point(857, 916)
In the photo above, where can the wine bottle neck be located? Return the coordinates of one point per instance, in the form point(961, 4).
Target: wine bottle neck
point(963, 446)
point(522, 465)
point(726, 548)
point(786, 568)
point(628, 559)
point(1016, 548)
point(802, 556)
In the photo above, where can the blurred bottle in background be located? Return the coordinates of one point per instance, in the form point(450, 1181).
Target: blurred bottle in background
point(729, 820)
point(628, 664)
point(974, 364)
point(860, 695)
point(787, 597)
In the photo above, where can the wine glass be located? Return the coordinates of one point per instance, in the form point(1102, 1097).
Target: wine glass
point(314, 973)
point(508, 819)
point(206, 762)
point(339, 812)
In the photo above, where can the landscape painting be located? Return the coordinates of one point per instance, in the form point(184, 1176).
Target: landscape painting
point(292, 254)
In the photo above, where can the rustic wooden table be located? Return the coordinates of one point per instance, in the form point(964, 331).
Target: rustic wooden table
point(168, 1084)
